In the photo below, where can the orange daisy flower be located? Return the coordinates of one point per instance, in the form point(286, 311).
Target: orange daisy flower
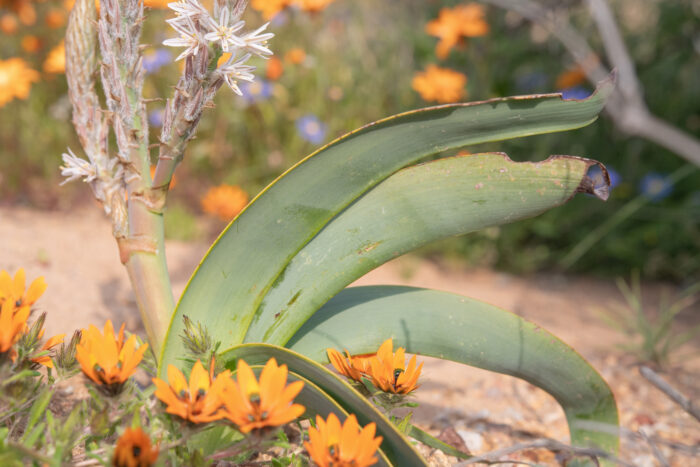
point(252, 405)
point(274, 69)
point(56, 60)
point(13, 289)
point(270, 8)
point(351, 367)
point(440, 84)
point(108, 360)
point(198, 402)
point(313, 6)
point(134, 449)
point(8, 24)
point(454, 24)
point(333, 445)
point(224, 201)
point(16, 79)
point(13, 322)
point(295, 56)
point(48, 345)
point(389, 371)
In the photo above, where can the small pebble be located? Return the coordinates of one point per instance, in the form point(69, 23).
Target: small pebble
point(473, 440)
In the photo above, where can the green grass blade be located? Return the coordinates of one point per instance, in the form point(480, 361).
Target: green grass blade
point(249, 256)
point(396, 447)
point(452, 327)
point(413, 207)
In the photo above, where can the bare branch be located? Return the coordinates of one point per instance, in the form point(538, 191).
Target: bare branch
point(687, 405)
point(626, 106)
point(545, 443)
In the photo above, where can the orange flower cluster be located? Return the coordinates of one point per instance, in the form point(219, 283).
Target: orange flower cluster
point(332, 445)
point(270, 8)
point(15, 307)
point(224, 201)
point(454, 24)
point(108, 360)
point(134, 449)
point(387, 370)
point(248, 403)
point(440, 85)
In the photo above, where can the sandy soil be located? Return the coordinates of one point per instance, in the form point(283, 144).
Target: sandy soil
point(78, 257)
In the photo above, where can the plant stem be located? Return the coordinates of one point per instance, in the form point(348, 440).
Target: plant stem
point(148, 272)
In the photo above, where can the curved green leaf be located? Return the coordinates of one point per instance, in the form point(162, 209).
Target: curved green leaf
point(396, 447)
point(413, 207)
point(449, 326)
point(252, 252)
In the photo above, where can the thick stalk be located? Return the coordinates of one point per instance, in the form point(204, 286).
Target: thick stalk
point(145, 262)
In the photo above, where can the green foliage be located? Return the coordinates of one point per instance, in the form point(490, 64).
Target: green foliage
point(653, 336)
point(361, 201)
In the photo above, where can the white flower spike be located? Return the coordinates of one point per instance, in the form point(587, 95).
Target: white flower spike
point(236, 70)
point(190, 37)
point(223, 33)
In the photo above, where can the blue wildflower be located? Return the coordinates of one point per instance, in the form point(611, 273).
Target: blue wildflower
point(577, 92)
point(256, 91)
point(311, 129)
point(155, 118)
point(655, 186)
point(155, 59)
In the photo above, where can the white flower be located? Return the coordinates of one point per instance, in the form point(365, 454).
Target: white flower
point(190, 37)
point(75, 167)
point(223, 32)
point(256, 42)
point(187, 9)
point(236, 70)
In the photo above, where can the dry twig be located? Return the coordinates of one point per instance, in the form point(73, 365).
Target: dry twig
point(687, 405)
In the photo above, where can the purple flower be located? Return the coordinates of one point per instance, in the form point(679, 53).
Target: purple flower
point(577, 92)
point(655, 186)
point(311, 129)
point(154, 59)
point(258, 90)
point(155, 118)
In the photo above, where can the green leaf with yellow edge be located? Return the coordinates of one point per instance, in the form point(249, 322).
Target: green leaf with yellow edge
point(254, 250)
point(453, 327)
point(395, 446)
point(413, 207)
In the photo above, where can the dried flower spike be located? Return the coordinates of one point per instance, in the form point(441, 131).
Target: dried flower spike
point(389, 371)
point(134, 449)
point(333, 445)
point(252, 405)
point(199, 401)
point(108, 360)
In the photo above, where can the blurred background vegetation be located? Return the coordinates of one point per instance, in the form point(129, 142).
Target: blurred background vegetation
point(353, 62)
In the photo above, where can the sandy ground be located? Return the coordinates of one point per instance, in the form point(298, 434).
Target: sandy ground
point(78, 258)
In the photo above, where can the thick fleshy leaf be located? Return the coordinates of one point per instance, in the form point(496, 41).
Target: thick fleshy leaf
point(254, 250)
point(449, 326)
point(396, 447)
point(413, 207)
